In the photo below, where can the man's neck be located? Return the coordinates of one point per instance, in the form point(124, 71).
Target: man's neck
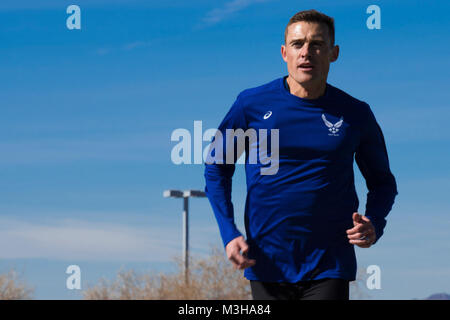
point(305, 92)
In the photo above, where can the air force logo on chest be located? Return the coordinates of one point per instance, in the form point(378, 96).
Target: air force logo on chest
point(333, 128)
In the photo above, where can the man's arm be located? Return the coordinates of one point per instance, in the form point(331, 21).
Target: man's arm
point(372, 159)
point(218, 173)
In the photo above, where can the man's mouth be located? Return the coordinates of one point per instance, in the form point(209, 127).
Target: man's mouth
point(305, 66)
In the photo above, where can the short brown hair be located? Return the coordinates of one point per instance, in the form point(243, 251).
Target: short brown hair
point(312, 16)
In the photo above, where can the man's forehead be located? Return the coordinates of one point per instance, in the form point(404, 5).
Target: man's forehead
point(303, 29)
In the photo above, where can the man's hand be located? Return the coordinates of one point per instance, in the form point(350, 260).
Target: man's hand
point(363, 232)
point(234, 248)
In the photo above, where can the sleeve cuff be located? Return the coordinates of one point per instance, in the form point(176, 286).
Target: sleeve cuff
point(379, 225)
point(226, 238)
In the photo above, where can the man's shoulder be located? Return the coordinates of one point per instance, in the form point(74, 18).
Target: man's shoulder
point(342, 95)
point(261, 90)
point(359, 109)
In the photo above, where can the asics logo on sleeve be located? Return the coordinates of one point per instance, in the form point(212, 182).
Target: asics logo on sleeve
point(267, 115)
point(333, 128)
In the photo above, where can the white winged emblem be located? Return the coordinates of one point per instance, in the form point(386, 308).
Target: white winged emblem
point(333, 128)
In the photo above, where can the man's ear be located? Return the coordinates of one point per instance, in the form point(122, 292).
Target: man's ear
point(334, 53)
point(283, 52)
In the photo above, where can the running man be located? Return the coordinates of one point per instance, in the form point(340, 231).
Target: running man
point(301, 222)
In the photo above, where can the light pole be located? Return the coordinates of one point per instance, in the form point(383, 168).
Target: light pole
point(186, 194)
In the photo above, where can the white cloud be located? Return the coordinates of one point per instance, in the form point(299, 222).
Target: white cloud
point(218, 14)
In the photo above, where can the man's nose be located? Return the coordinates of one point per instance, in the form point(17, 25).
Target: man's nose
point(305, 51)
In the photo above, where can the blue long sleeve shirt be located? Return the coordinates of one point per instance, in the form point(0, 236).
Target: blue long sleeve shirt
point(296, 218)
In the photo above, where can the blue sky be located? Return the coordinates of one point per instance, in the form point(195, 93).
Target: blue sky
point(86, 118)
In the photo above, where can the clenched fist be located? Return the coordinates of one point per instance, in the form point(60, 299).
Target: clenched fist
point(237, 250)
point(363, 232)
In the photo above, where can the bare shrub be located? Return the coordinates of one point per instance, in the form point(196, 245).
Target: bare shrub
point(13, 288)
point(209, 278)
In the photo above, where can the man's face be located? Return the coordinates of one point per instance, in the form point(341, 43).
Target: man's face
point(308, 52)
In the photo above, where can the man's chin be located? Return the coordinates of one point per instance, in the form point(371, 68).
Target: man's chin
point(305, 80)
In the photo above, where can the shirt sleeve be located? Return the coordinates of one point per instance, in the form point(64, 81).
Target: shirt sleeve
point(372, 159)
point(219, 172)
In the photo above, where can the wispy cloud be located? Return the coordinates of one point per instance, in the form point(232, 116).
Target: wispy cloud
point(133, 147)
point(136, 45)
point(86, 240)
point(218, 14)
point(129, 46)
point(102, 51)
point(56, 4)
point(414, 124)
